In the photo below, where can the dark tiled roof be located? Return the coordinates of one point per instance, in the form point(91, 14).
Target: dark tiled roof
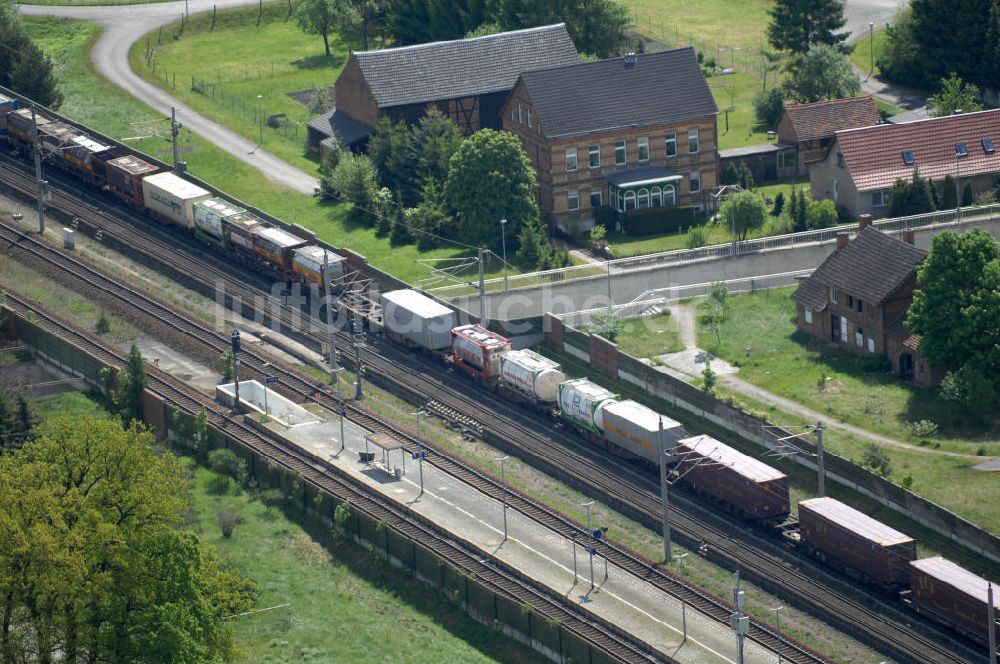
point(870, 267)
point(874, 155)
point(659, 88)
point(344, 127)
point(822, 119)
point(463, 67)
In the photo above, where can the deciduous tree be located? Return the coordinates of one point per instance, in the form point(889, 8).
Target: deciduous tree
point(323, 18)
point(435, 140)
point(956, 304)
point(954, 96)
point(489, 179)
point(823, 73)
point(743, 212)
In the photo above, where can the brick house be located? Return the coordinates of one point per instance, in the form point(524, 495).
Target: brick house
point(626, 134)
point(811, 127)
point(857, 299)
point(468, 80)
point(861, 165)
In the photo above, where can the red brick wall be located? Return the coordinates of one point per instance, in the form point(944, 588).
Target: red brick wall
point(353, 95)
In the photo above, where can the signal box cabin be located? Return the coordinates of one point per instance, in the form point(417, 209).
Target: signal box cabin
point(749, 487)
point(477, 351)
point(467, 80)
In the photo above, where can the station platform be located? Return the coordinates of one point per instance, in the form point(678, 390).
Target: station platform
point(563, 566)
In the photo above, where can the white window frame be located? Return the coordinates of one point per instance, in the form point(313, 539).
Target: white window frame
point(531, 122)
point(673, 194)
point(695, 178)
point(599, 193)
point(643, 144)
point(623, 146)
point(878, 199)
point(670, 145)
point(571, 196)
point(571, 158)
point(520, 113)
point(642, 199)
point(843, 330)
point(871, 344)
point(694, 141)
point(833, 295)
point(629, 195)
point(859, 337)
point(809, 316)
point(591, 151)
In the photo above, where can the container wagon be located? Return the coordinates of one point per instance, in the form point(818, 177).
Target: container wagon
point(7, 105)
point(125, 176)
point(209, 215)
point(308, 264)
point(855, 543)
point(240, 228)
point(636, 430)
point(417, 320)
point(742, 484)
point(172, 198)
point(477, 351)
point(953, 595)
point(530, 376)
point(582, 402)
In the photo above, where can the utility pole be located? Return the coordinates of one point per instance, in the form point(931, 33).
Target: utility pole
point(740, 623)
point(341, 412)
point(820, 469)
point(777, 622)
point(359, 342)
point(664, 495)
point(503, 480)
point(42, 184)
point(991, 623)
point(175, 130)
point(234, 340)
point(481, 254)
point(503, 242)
point(331, 331)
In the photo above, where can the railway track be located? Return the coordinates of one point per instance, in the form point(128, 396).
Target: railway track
point(501, 425)
point(497, 576)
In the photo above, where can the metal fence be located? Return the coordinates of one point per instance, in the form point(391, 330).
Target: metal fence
point(676, 256)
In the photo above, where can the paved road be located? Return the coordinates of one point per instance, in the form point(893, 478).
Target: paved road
point(123, 26)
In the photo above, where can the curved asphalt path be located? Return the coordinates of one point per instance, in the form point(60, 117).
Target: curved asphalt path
point(122, 26)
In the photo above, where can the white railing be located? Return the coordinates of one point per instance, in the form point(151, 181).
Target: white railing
point(531, 279)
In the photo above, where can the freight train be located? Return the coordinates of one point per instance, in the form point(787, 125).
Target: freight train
point(169, 198)
point(833, 532)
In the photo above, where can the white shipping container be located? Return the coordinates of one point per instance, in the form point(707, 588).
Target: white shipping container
point(531, 374)
point(309, 261)
point(418, 318)
point(477, 346)
point(173, 197)
point(636, 428)
point(208, 215)
point(581, 401)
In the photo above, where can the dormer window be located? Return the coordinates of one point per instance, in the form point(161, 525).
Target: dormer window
point(988, 146)
point(908, 158)
point(961, 150)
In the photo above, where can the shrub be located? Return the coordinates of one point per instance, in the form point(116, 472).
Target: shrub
point(877, 460)
point(873, 406)
point(697, 236)
point(767, 106)
point(907, 482)
point(103, 326)
point(779, 204)
point(709, 377)
point(873, 363)
point(227, 519)
point(821, 214)
point(922, 428)
point(605, 324)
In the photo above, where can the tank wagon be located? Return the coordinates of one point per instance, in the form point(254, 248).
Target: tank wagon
point(528, 375)
point(856, 543)
point(478, 351)
point(744, 485)
point(582, 402)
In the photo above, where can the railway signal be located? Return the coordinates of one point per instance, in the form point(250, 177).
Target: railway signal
point(42, 184)
point(419, 457)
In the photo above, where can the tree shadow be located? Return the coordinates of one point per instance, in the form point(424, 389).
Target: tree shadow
point(318, 61)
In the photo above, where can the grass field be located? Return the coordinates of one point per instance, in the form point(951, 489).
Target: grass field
point(646, 337)
point(96, 102)
point(86, 3)
point(714, 26)
point(736, 92)
point(861, 55)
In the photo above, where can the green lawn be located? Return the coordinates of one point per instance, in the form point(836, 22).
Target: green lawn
point(761, 336)
point(736, 92)
point(861, 56)
point(84, 3)
point(92, 100)
point(72, 404)
point(646, 337)
point(708, 26)
point(348, 605)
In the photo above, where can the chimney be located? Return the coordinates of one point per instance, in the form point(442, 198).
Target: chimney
point(864, 221)
point(842, 240)
point(908, 237)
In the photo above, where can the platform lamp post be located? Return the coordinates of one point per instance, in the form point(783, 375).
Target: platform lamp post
point(341, 413)
point(234, 340)
point(777, 626)
point(684, 615)
point(503, 480)
point(503, 241)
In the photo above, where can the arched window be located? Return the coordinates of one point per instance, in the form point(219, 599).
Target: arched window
point(629, 200)
point(669, 195)
point(643, 200)
point(620, 197)
point(655, 197)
